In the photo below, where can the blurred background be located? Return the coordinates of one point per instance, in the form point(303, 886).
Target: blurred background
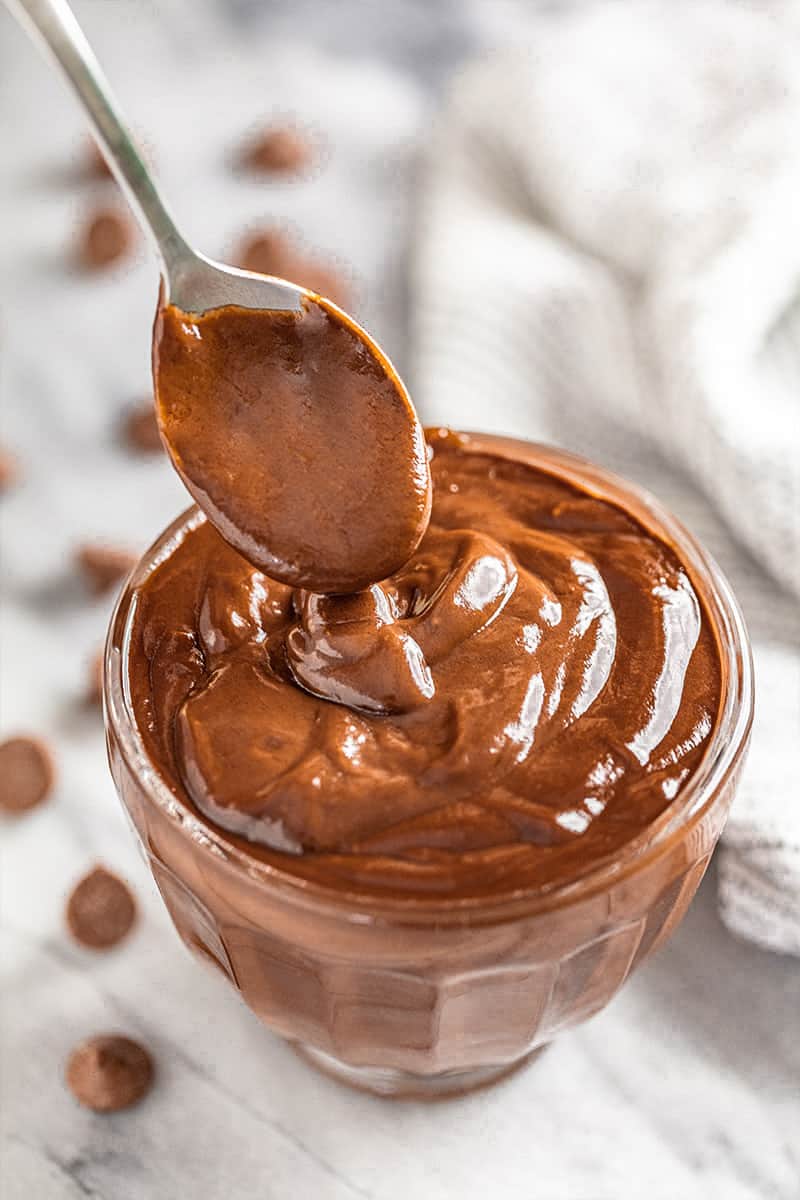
point(567, 221)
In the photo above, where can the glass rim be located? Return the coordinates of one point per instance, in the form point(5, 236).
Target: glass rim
point(722, 755)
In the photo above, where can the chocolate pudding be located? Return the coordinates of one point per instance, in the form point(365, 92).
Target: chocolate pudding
point(296, 438)
point(425, 827)
point(527, 693)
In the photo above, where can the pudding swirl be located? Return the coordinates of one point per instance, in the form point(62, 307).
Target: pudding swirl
point(527, 693)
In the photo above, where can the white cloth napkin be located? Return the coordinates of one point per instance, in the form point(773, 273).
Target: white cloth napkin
point(608, 258)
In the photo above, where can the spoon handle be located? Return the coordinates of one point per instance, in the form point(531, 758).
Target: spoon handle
point(52, 23)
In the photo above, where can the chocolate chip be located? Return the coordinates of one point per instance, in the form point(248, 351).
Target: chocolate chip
point(106, 237)
point(271, 253)
point(109, 1072)
point(280, 149)
point(264, 252)
point(103, 566)
point(26, 774)
point(140, 429)
point(8, 470)
point(100, 910)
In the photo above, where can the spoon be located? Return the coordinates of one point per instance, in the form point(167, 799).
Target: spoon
point(193, 282)
point(314, 466)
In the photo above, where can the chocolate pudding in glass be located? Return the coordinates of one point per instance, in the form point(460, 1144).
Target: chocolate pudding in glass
point(424, 827)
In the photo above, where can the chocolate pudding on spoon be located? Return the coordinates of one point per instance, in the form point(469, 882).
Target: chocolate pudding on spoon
point(297, 439)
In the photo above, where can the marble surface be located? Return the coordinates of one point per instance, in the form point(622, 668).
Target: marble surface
point(687, 1086)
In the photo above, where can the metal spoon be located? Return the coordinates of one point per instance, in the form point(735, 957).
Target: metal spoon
point(335, 517)
point(193, 282)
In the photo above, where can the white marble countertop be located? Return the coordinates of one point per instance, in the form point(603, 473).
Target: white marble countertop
point(686, 1087)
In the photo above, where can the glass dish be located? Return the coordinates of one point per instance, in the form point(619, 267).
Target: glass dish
point(419, 995)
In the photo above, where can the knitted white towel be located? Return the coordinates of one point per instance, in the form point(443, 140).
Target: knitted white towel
point(608, 257)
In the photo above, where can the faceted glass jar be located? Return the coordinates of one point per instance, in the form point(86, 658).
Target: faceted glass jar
point(421, 995)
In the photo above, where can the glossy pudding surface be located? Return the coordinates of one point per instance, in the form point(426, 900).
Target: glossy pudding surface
point(507, 710)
